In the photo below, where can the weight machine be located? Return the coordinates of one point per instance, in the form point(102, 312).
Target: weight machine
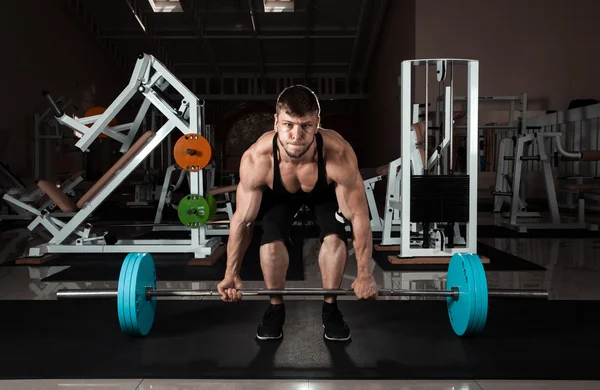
point(370, 183)
point(510, 163)
point(42, 123)
point(213, 227)
point(503, 191)
point(19, 198)
point(21, 201)
point(150, 78)
point(440, 200)
point(389, 225)
point(514, 123)
point(8, 179)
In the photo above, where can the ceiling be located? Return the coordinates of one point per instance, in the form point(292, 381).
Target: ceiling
point(237, 49)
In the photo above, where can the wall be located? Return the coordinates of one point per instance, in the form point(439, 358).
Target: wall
point(546, 49)
point(49, 48)
point(532, 47)
point(379, 116)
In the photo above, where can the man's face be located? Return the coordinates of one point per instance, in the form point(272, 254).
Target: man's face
point(296, 134)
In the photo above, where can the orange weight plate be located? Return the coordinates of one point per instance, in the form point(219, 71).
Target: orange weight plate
point(97, 110)
point(192, 152)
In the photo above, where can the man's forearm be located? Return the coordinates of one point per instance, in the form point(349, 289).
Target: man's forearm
point(362, 241)
point(240, 235)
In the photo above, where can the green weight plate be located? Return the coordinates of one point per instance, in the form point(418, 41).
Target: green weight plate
point(212, 204)
point(193, 210)
point(136, 313)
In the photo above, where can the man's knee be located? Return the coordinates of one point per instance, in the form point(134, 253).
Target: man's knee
point(273, 249)
point(333, 243)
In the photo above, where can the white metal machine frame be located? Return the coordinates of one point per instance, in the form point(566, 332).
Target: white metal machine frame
point(376, 220)
point(43, 122)
point(23, 201)
point(391, 220)
point(513, 123)
point(150, 78)
point(516, 202)
point(88, 129)
point(503, 190)
point(391, 223)
point(213, 228)
point(412, 245)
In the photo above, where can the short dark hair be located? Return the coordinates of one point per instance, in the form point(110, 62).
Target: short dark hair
point(298, 101)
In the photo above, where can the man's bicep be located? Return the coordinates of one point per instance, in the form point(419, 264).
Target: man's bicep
point(351, 195)
point(247, 203)
point(249, 193)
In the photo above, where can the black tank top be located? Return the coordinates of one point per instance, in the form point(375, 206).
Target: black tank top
point(321, 191)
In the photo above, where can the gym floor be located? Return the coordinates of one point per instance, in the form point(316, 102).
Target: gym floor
point(571, 273)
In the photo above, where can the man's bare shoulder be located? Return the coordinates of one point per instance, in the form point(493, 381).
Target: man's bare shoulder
point(340, 159)
point(256, 162)
point(264, 144)
point(260, 149)
point(334, 145)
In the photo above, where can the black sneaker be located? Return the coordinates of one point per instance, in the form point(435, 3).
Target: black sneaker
point(270, 328)
point(333, 323)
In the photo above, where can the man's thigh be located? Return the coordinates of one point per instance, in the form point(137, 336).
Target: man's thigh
point(329, 219)
point(277, 217)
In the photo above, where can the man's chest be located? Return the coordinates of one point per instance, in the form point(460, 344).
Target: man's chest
point(295, 178)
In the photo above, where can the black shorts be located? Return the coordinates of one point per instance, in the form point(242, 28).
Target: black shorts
point(278, 216)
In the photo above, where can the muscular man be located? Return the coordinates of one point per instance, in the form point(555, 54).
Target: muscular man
point(298, 163)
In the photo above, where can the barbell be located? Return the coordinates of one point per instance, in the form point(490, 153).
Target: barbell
point(466, 294)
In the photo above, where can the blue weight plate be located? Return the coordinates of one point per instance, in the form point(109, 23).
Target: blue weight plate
point(127, 294)
point(142, 310)
point(461, 311)
point(481, 290)
point(123, 293)
point(130, 303)
point(120, 314)
point(475, 282)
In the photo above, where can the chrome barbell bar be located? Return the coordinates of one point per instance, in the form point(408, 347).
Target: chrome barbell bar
point(150, 293)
